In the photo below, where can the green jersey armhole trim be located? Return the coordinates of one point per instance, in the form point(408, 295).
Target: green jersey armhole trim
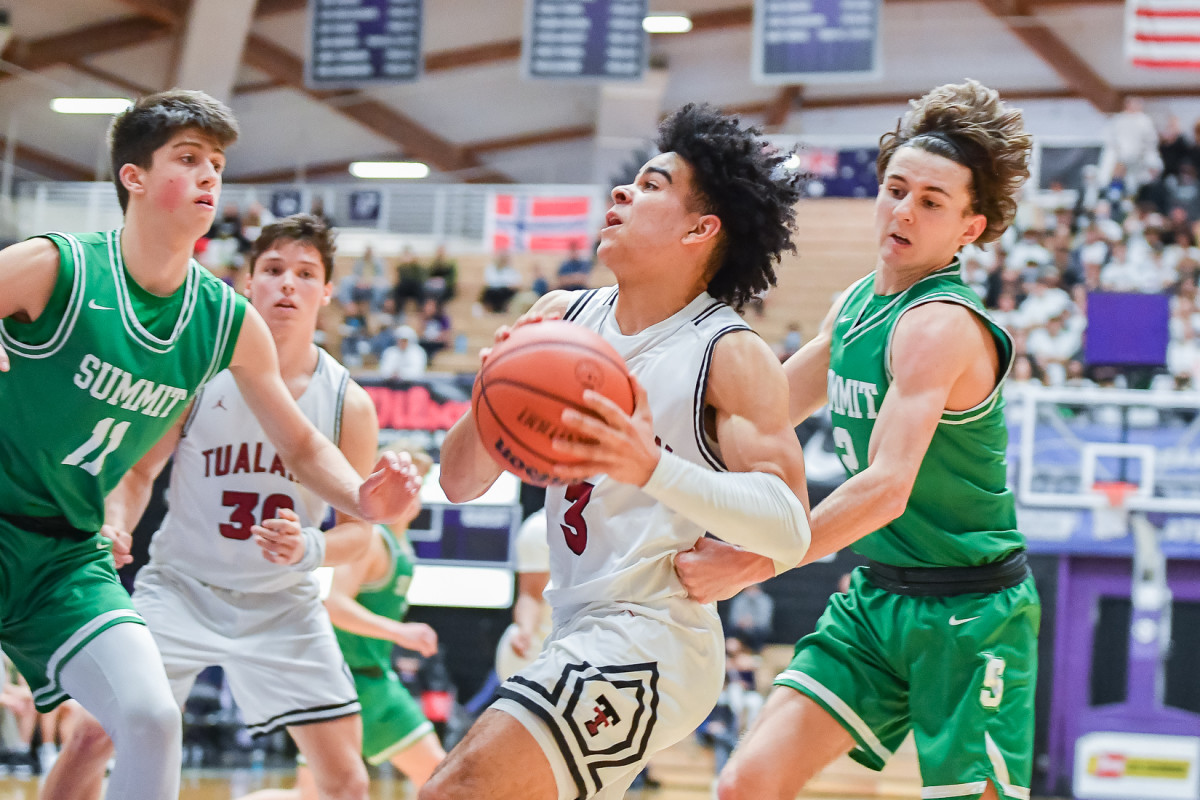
point(225, 325)
point(950, 417)
point(392, 545)
point(70, 314)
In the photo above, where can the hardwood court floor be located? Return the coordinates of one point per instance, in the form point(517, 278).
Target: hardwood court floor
point(684, 772)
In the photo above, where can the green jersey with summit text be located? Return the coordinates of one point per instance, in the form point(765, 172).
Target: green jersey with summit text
point(387, 597)
point(960, 512)
point(100, 375)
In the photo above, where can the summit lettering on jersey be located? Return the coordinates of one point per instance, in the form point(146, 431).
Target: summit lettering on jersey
point(852, 398)
point(105, 381)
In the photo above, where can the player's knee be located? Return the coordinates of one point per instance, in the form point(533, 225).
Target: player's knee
point(350, 783)
point(441, 786)
point(153, 724)
point(738, 784)
point(89, 740)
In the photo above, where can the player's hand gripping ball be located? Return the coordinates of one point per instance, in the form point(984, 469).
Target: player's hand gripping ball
point(527, 381)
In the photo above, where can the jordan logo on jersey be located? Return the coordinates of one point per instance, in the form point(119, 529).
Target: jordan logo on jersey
point(851, 398)
point(113, 384)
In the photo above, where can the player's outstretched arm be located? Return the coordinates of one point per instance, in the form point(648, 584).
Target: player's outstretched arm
point(808, 370)
point(348, 614)
point(467, 469)
point(385, 495)
point(28, 271)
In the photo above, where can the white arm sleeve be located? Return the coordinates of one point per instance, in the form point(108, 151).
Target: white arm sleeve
point(755, 510)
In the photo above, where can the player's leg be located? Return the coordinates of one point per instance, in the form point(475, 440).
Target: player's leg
point(395, 728)
point(791, 741)
point(973, 703)
point(118, 677)
point(418, 761)
point(74, 633)
point(78, 773)
point(498, 759)
point(840, 693)
point(333, 750)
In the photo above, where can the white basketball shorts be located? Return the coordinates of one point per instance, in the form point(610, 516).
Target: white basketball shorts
point(277, 649)
point(615, 685)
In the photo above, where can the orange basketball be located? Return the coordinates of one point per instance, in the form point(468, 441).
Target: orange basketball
point(528, 380)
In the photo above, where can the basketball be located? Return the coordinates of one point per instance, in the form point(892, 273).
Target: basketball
point(528, 380)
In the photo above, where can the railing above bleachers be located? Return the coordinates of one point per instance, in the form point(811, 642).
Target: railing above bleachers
point(423, 214)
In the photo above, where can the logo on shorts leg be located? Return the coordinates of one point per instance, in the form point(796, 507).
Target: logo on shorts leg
point(605, 715)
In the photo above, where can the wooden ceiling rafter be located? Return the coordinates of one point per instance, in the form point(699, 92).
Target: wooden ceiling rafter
point(44, 163)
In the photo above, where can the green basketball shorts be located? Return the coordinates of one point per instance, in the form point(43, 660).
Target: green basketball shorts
point(958, 671)
point(392, 719)
point(56, 595)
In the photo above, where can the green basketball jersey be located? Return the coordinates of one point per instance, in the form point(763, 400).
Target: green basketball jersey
point(961, 512)
point(387, 597)
point(100, 375)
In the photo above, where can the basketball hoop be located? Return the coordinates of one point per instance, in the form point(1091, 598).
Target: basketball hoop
point(1111, 520)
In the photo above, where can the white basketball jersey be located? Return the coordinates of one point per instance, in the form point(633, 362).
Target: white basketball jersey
point(227, 477)
point(610, 541)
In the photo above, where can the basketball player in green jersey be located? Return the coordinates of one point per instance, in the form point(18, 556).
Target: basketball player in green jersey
point(366, 604)
point(108, 336)
point(938, 635)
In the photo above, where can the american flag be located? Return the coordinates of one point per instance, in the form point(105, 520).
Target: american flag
point(1163, 34)
point(819, 162)
point(524, 223)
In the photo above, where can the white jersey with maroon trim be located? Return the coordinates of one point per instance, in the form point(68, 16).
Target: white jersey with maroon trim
point(227, 476)
point(610, 541)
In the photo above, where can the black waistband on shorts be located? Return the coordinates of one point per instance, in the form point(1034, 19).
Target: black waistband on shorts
point(945, 581)
point(367, 672)
point(53, 527)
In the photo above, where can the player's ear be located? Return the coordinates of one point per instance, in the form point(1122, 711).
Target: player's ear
point(706, 228)
point(976, 225)
point(132, 178)
point(327, 294)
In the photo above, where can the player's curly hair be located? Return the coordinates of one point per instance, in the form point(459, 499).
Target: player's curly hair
point(970, 125)
point(149, 123)
point(304, 228)
point(738, 178)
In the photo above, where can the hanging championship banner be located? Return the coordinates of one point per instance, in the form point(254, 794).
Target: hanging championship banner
point(353, 42)
point(812, 41)
point(597, 39)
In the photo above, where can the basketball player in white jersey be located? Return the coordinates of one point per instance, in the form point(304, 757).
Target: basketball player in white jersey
point(230, 579)
point(633, 665)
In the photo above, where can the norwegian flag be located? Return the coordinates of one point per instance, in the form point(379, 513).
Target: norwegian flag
point(819, 162)
point(1163, 34)
point(523, 223)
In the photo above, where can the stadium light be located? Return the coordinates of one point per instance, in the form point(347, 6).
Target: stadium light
point(90, 105)
point(389, 169)
point(666, 23)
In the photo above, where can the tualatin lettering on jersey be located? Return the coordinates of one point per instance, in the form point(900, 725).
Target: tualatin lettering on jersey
point(110, 383)
point(243, 457)
point(850, 397)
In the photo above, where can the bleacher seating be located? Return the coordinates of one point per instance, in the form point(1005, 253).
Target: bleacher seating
point(834, 243)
